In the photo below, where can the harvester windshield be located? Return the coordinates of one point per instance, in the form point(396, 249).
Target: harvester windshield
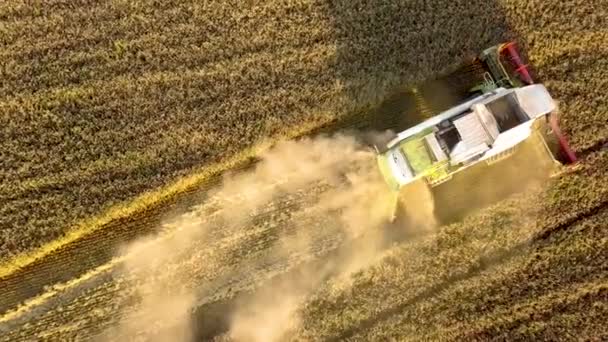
point(507, 112)
point(513, 64)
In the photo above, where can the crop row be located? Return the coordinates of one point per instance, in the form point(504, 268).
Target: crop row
point(145, 39)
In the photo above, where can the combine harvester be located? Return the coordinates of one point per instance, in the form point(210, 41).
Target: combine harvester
point(504, 136)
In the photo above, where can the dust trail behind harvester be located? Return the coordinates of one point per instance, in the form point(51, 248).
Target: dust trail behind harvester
point(356, 202)
point(360, 206)
point(170, 274)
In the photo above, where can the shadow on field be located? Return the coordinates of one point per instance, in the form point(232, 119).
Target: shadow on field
point(401, 52)
point(386, 51)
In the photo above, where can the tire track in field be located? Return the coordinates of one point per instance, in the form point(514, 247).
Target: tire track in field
point(485, 299)
point(597, 146)
point(579, 301)
point(233, 266)
point(99, 247)
point(216, 237)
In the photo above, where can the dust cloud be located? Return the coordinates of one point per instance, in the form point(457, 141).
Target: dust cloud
point(159, 270)
point(353, 208)
point(359, 205)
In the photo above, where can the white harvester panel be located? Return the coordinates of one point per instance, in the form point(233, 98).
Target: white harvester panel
point(475, 139)
point(472, 132)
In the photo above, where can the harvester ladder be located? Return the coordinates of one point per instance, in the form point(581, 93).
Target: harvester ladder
point(421, 105)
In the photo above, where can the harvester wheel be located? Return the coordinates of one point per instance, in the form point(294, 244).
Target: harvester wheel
point(415, 209)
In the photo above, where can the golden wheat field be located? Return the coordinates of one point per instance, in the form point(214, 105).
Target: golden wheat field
point(139, 200)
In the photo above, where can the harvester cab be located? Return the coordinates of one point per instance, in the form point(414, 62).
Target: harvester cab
point(499, 139)
point(505, 67)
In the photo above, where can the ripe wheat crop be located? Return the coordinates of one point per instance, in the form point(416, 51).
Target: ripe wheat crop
point(103, 101)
